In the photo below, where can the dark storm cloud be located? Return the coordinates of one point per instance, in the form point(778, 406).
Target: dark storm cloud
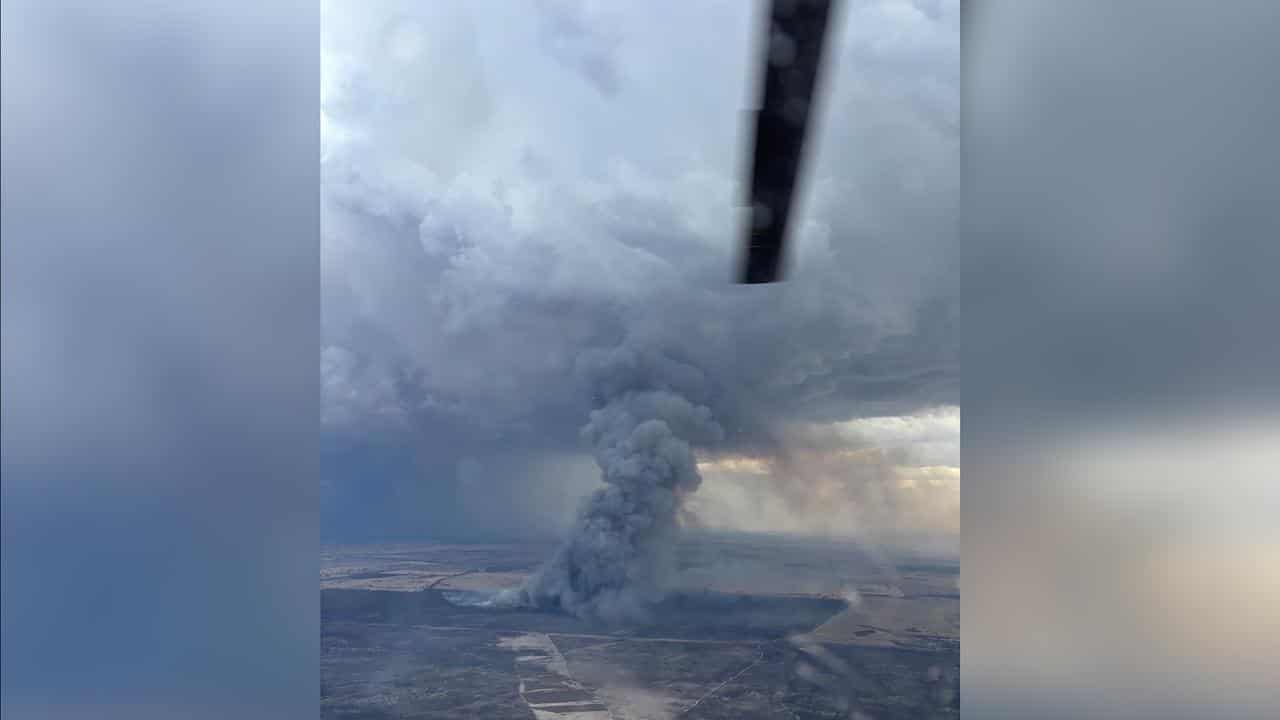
point(485, 285)
point(463, 291)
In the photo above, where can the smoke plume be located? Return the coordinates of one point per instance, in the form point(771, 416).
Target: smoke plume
point(464, 274)
point(613, 562)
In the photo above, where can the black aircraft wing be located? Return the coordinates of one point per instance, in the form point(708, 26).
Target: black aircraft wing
point(791, 59)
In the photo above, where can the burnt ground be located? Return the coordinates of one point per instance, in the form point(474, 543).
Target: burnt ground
point(703, 654)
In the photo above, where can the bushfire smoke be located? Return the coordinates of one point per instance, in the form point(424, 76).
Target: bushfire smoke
point(513, 247)
point(612, 564)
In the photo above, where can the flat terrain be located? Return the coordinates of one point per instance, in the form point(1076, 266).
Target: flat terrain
point(754, 628)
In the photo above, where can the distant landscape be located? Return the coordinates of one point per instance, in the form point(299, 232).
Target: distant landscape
point(752, 627)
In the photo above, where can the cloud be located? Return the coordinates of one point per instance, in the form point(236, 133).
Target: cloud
point(894, 480)
point(572, 34)
point(928, 437)
point(488, 218)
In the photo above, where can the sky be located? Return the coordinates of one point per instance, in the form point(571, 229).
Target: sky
point(507, 189)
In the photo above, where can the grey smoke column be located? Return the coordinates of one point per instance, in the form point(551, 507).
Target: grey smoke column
point(642, 435)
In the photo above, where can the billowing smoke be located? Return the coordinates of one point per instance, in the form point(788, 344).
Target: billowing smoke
point(614, 561)
point(491, 220)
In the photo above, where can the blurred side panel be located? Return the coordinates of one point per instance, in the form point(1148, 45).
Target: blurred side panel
point(1122, 359)
point(160, 382)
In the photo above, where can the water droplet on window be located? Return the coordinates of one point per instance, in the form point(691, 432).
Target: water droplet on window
point(782, 49)
point(761, 216)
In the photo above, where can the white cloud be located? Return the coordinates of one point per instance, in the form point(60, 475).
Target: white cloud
point(930, 437)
